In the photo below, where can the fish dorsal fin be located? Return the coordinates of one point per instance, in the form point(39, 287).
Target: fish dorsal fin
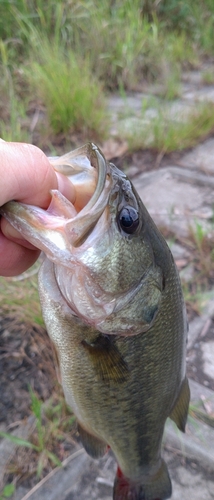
point(180, 409)
point(106, 359)
point(94, 446)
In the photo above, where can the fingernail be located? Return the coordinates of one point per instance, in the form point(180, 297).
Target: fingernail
point(10, 232)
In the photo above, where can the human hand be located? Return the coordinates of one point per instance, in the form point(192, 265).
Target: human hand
point(26, 176)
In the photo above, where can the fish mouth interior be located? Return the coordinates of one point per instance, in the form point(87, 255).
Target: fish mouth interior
point(90, 174)
point(87, 169)
point(98, 162)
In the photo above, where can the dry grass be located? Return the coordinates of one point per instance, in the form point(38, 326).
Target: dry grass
point(20, 297)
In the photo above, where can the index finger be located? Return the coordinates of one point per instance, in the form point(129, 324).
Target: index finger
point(27, 176)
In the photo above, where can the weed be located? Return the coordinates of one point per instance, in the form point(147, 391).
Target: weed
point(198, 413)
point(193, 296)
point(190, 17)
point(51, 423)
point(13, 113)
point(198, 288)
point(123, 41)
point(172, 87)
point(7, 491)
point(164, 134)
point(208, 77)
point(200, 243)
point(198, 234)
point(40, 448)
point(21, 298)
point(70, 51)
point(73, 98)
point(204, 255)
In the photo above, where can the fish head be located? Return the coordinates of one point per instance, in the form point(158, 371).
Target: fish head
point(104, 261)
point(122, 275)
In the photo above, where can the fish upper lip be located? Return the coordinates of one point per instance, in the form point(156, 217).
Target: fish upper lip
point(87, 218)
point(73, 166)
point(98, 161)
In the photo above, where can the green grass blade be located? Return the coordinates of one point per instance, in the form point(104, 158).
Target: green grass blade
point(8, 491)
point(18, 441)
point(54, 458)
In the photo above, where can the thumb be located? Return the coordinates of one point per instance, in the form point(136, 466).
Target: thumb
point(66, 187)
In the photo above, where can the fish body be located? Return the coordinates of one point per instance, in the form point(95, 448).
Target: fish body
point(113, 307)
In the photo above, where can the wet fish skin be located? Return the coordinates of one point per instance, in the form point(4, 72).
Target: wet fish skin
point(123, 374)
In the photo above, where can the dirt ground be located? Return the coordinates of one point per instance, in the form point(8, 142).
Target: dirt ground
point(25, 360)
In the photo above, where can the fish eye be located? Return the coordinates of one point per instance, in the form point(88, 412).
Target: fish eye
point(129, 219)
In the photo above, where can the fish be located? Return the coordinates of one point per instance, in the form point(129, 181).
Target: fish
point(112, 303)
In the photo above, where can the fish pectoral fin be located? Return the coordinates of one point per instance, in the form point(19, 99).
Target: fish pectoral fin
point(156, 487)
point(94, 446)
point(106, 359)
point(180, 409)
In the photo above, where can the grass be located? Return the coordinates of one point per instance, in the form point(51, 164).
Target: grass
point(12, 108)
point(204, 256)
point(199, 243)
point(60, 58)
point(7, 491)
point(208, 77)
point(113, 34)
point(19, 296)
point(41, 446)
point(198, 413)
point(197, 290)
point(73, 98)
point(163, 134)
point(53, 424)
point(190, 17)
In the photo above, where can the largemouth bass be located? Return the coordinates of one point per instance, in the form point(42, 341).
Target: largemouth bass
point(113, 306)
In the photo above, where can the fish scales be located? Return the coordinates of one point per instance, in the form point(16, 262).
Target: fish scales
point(113, 306)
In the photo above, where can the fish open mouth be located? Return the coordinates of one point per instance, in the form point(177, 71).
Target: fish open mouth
point(89, 172)
point(65, 225)
point(87, 168)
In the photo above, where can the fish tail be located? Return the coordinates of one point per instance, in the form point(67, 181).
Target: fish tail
point(158, 486)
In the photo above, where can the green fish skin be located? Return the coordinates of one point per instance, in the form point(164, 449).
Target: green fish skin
point(113, 307)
